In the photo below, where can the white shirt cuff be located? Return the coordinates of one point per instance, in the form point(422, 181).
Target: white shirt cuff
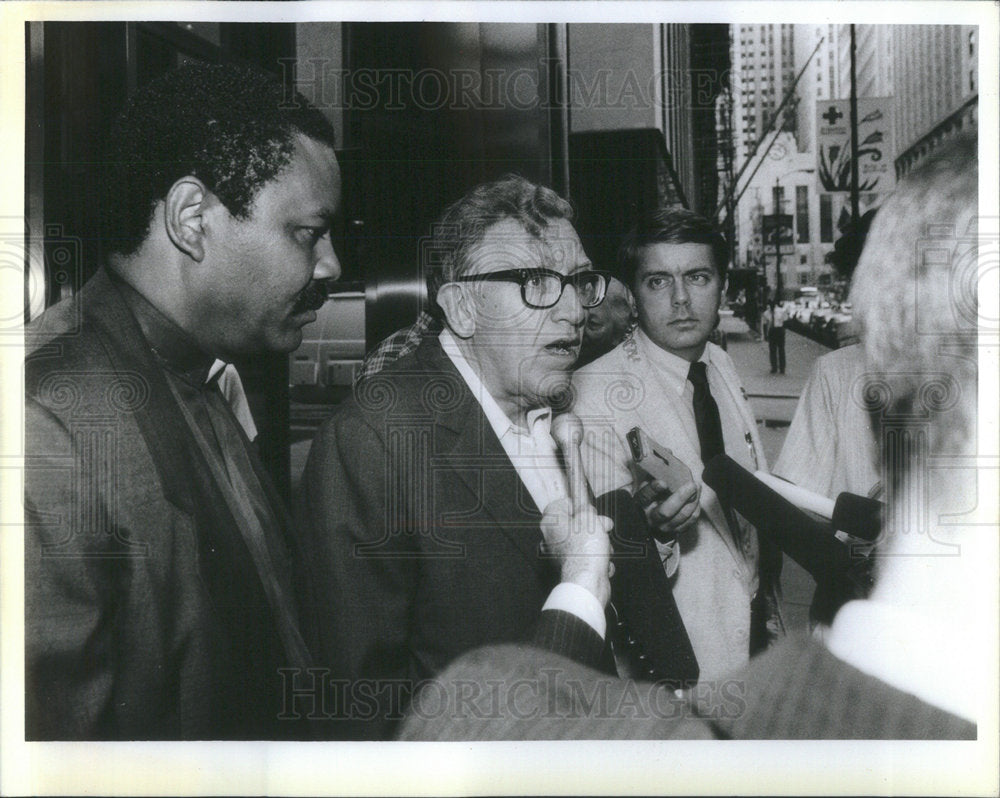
point(576, 600)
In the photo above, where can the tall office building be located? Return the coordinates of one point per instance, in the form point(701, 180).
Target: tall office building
point(873, 68)
point(667, 77)
point(764, 68)
point(711, 141)
point(819, 81)
point(782, 172)
point(784, 182)
point(674, 117)
point(931, 71)
point(936, 87)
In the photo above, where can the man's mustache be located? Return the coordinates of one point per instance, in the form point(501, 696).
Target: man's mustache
point(312, 297)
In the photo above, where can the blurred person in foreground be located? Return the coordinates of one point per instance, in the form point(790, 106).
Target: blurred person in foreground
point(905, 663)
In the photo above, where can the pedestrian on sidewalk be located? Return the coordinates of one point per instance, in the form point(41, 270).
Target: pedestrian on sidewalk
point(774, 322)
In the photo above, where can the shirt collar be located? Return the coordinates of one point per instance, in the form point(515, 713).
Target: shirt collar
point(909, 650)
point(172, 346)
point(674, 368)
point(499, 421)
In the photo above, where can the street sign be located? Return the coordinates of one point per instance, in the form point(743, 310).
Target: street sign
point(876, 148)
point(777, 227)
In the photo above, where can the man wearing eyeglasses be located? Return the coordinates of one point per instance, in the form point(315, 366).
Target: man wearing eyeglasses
point(436, 512)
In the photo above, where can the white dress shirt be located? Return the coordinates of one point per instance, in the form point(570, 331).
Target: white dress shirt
point(231, 387)
point(911, 650)
point(534, 455)
point(640, 384)
point(706, 569)
point(672, 371)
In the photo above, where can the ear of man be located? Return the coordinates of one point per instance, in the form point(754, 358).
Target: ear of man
point(630, 299)
point(459, 309)
point(184, 216)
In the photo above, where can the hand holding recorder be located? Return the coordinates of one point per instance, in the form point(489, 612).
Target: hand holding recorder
point(669, 493)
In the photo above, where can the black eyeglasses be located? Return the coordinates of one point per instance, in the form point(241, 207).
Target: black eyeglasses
point(543, 288)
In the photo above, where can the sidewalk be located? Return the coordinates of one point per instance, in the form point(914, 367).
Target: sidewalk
point(773, 396)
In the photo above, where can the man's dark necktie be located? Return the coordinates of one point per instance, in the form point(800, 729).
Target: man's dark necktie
point(706, 414)
point(706, 419)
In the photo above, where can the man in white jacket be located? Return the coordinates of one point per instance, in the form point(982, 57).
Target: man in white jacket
point(684, 393)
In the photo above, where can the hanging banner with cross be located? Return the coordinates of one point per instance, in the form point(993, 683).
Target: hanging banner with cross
point(876, 148)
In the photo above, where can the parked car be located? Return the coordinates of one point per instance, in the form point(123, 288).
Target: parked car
point(841, 327)
point(819, 317)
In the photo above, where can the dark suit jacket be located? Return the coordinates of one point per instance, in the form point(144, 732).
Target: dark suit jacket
point(422, 541)
point(145, 617)
point(647, 631)
point(796, 690)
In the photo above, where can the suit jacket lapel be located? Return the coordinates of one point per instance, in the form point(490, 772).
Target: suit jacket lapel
point(466, 446)
point(224, 560)
point(157, 415)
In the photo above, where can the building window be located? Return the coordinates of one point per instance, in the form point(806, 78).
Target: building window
point(972, 80)
point(825, 218)
point(803, 260)
point(802, 214)
point(778, 193)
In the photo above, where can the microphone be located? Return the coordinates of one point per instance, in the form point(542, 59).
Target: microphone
point(800, 497)
point(567, 430)
point(568, 433)
point(856, 515)
point(807, 541)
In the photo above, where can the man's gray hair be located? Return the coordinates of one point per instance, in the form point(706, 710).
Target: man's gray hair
point(462, 225)
point(914, 291)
